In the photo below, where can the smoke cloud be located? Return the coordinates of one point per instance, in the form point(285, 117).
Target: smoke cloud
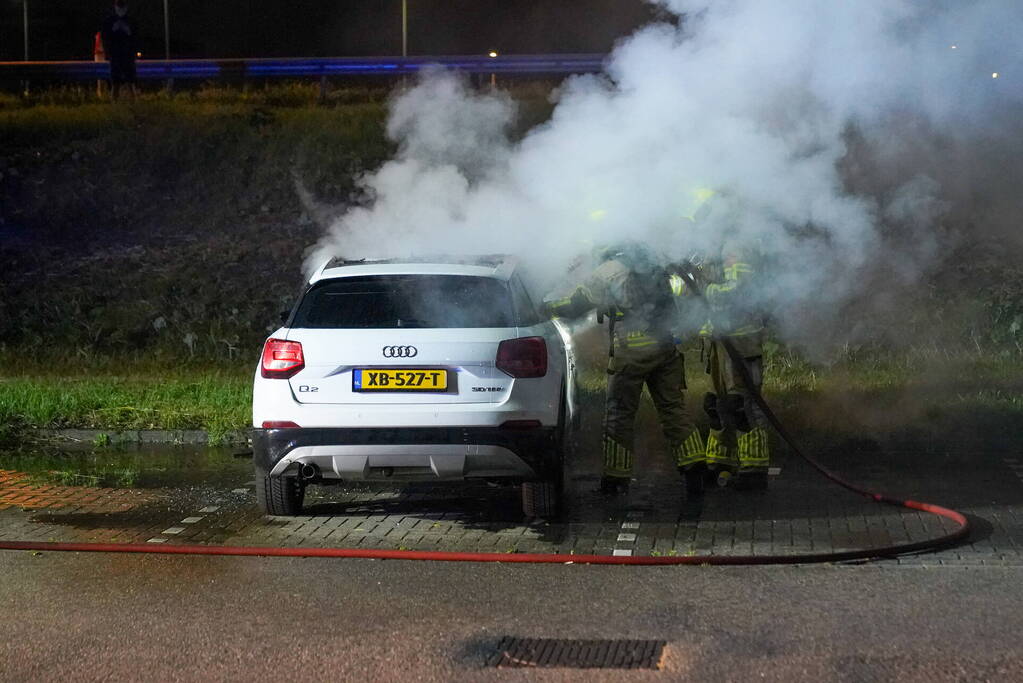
point(843, 138)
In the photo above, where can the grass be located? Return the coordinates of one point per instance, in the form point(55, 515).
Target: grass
point(919, 398)
point(118, 398)
point(914, 397)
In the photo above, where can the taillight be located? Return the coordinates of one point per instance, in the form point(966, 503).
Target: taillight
point(525, 357)
point(281, 359)
point(279, 424)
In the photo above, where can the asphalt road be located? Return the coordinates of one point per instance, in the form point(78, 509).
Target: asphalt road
point(86, 616)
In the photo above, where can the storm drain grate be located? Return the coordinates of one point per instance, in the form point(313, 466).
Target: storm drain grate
point(578, 654)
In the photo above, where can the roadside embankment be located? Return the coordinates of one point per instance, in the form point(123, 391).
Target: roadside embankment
point(176, 226)
point(146, 251)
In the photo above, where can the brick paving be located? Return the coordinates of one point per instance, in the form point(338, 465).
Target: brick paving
point(800, 513)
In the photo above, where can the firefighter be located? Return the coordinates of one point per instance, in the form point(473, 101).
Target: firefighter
point(635, 294)
point(737, 443)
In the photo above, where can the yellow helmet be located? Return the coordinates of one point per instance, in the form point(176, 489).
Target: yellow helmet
point(697, 203)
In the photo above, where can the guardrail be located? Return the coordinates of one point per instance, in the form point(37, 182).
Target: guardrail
point(241, 69)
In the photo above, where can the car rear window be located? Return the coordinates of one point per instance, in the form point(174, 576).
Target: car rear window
point(399, 301)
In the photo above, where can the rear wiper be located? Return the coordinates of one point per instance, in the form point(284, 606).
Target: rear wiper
point(412, 322)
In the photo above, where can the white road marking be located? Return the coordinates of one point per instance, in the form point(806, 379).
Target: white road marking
point(626, 538)
point(630, 525)
point(635, 514)
point(773, 471)
point(210, 508)
point(622, 552)
point(192, 520)
point(173, 530)
point(239, 490)
point(157, 540)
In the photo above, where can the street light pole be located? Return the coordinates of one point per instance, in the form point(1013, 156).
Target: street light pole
point(166, 30)
point(404, 29)
point(24, 16)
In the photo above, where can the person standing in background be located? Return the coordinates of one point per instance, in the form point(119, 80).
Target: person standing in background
point(98, 55)
point(120, 44)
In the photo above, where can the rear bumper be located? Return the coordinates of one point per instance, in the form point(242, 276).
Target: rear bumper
point(434, 453)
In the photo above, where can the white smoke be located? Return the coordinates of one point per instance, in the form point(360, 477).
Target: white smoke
point(755, 99)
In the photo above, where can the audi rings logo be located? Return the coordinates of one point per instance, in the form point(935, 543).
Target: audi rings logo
point(400, 352)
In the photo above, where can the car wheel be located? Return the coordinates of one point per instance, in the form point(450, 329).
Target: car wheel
point(279, 495)
point(540, 498)
point(543, 498)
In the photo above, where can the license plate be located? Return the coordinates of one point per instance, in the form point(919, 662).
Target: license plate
point(404, 379)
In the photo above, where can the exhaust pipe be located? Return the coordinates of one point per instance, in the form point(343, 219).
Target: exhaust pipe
point(308, 471)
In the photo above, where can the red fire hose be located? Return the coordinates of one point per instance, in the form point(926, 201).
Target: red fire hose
point(960, 533)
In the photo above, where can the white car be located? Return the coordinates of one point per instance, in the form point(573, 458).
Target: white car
point(432, 370)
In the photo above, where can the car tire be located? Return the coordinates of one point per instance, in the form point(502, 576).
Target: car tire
point(543, 498)
point(279, 495)
point(540, 499)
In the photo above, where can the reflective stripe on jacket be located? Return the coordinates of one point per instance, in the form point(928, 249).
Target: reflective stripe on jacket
point(731, 299)
point(638, 324)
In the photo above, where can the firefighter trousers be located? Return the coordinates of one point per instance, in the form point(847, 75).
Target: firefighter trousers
point(662, 370)
point(738, 434)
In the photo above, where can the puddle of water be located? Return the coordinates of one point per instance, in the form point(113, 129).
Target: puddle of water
point(150, 466)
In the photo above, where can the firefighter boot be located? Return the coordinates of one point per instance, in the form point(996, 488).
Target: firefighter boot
point(617, 467)
point(754, 460)
point(693, 478)
point(721, 464)
point(691, 459)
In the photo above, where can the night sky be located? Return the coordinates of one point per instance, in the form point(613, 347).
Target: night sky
point(63, 29)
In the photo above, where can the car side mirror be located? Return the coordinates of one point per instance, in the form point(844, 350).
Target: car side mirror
point(285, 315)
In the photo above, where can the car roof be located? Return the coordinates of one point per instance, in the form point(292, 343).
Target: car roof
point(495, 266)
